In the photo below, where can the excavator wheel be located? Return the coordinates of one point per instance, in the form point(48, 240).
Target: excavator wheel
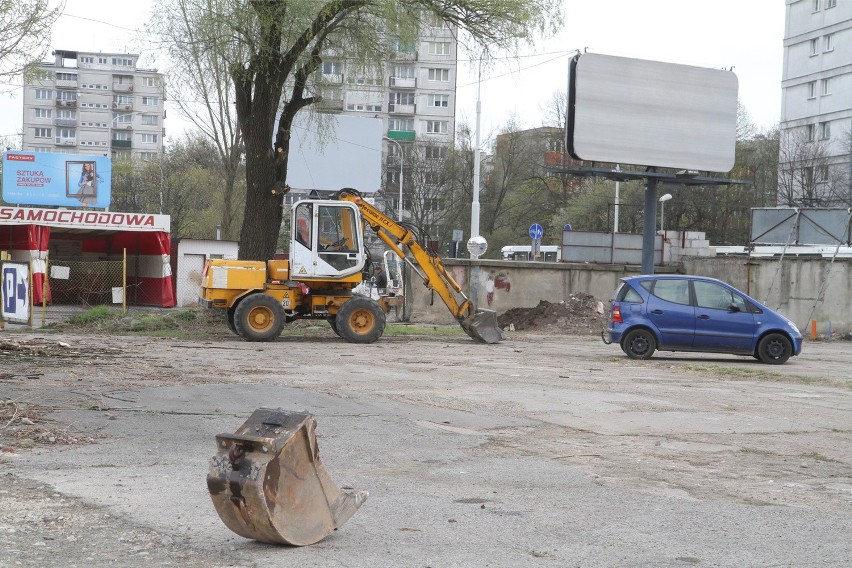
point(360, 320)
point(231, 325)
point(332, 321)
point(258, 317)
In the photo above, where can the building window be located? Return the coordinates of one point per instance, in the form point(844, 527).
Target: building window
point(824, 130)
point(436, 126)
point(66, 95)
point(828, 42)
point(120, 61)
point(149, 82)
point(401, 98)
point(401, 46)
point(65, 133)
point(812, 90)
point(401, 124)
point(810, 132)
point(822, 174)
point(148, 156)
point(121, 135)
point(403, 71)
point(436, 152)
point(439, 47)
point(43, 132)
point(826, 86)
point(439, 101)
point(392, 176)
point(439, 75)
point(332, 68)
point(831, 4)
point(43, 112)
point(437, 22)
point(816, 6)
point(814, 46)
point(66, 76)
point(124, 99)
point(149, 138)
point(122, 118)
point(150, 101)
point(66, 114)
point(87, 60)
point(43, 94)
point(150, 119)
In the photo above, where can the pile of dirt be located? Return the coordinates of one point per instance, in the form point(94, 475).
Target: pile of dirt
point(579, 314)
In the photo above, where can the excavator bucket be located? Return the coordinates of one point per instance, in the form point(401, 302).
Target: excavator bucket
point(482, 326)
point(268, 483)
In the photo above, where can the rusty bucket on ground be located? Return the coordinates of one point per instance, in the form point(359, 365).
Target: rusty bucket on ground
point(268, 483)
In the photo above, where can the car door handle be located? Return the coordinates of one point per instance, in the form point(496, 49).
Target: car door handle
point(704, 317)
point(656, 311)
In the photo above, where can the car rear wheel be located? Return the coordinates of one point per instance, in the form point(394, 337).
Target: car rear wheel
point(774, 349)
point(639, 344)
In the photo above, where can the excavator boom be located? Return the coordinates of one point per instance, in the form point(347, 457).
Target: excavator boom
point(481, 325)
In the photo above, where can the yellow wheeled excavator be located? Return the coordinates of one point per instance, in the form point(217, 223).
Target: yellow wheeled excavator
point(327, 260)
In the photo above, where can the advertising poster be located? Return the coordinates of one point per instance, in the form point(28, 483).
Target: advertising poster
point(60, 180)
point(16, 292)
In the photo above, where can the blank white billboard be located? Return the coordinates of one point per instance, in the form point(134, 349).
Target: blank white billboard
point(649, 113)
point(330, 152)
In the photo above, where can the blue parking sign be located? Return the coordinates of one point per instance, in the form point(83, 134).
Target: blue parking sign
point(15, 292)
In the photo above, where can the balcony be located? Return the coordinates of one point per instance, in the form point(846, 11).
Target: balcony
point(122, 87)
point(65, 121)
point(403, 56)
point(66, 103)
point(396, 108)
point(330, 105)
point(66, 141)
point(402, 82)
point(121, 143)
point(407, 135)
point(122, 106)
point(331, 78)
point(66, 83)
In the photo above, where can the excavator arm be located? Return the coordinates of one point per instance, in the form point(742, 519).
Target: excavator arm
point(478, 324)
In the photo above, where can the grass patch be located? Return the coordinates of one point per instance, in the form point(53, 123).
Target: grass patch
point(96, 314)
point(753, 374)
point(408, 329)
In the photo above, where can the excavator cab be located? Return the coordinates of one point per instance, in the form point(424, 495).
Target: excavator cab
point(327, 241)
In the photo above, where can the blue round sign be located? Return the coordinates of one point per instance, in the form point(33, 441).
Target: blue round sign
point(536, 231)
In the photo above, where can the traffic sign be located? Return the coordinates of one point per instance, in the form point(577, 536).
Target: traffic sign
point(536, 231)
point(15, 288)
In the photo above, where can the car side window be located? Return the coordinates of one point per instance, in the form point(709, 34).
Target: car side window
point(627, 294)
point(672, 290)
point(713, 296)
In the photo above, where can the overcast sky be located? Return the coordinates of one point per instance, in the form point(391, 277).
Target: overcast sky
point(744, 34)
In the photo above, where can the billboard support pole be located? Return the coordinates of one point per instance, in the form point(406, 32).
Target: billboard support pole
point(649, 227)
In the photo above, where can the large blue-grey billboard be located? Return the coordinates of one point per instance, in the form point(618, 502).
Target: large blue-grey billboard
point(61, 180)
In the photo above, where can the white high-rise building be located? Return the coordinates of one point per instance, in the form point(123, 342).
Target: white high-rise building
point(816, 109)
point(415, 98)
point(94, 103)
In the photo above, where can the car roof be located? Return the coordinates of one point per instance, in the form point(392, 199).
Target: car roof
point(672, 277)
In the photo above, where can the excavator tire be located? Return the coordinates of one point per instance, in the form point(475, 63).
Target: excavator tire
point(268, 483)
point(360, 320)
point(231, 325)
point(332, 321)
point(258, 317)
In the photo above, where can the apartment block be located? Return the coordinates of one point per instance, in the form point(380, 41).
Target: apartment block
point(414, 95)
point(96, 104)
point(816, 109)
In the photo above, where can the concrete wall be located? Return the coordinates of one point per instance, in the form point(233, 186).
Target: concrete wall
point(791, 287)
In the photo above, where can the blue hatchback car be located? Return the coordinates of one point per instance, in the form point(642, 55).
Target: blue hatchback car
point(693, 313)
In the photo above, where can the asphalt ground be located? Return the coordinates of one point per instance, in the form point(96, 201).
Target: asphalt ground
point(541, 451)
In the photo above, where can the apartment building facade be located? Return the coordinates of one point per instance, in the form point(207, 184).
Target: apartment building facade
point(94, 104)
point(816, 111)
point(414, 95)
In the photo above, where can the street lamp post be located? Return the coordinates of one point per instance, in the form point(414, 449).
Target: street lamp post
point(663, 200)
point(401, 157)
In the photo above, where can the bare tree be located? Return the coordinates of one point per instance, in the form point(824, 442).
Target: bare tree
point(200, 85)
point(807, 173)
point(273, 48)
point(25, 34)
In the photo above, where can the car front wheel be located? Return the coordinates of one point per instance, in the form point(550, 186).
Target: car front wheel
point(774, 349)
point(639, 344)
